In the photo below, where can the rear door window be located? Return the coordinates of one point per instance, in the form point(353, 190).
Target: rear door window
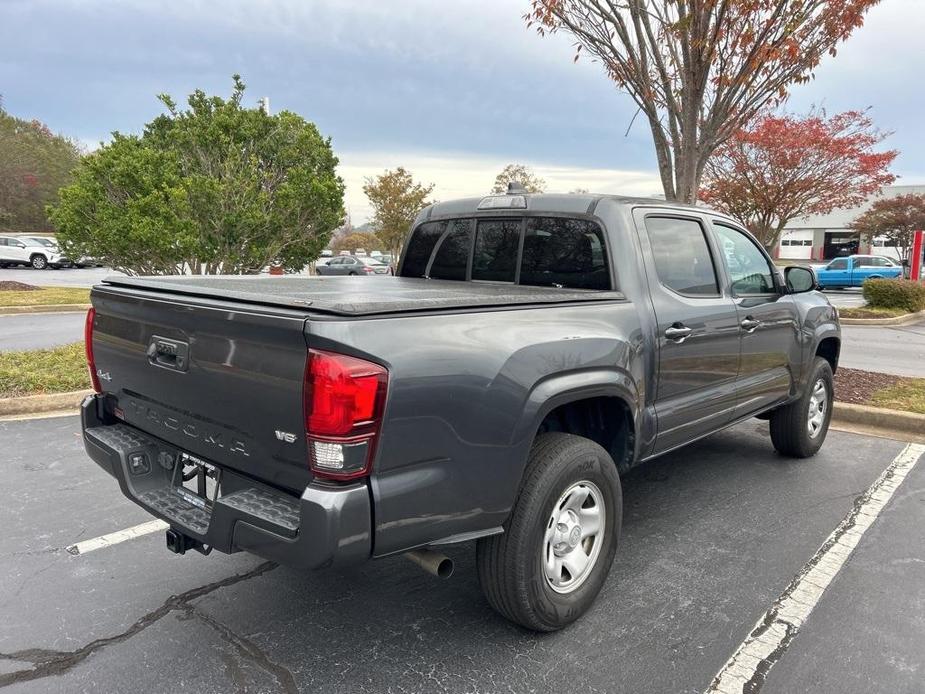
point(560, 252)
point(497, 242)
point(682, 257)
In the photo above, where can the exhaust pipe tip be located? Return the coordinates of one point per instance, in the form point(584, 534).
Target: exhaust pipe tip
point(434, 563)
point(445, 568)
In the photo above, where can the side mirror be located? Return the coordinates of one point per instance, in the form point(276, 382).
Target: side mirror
point(19, 244)
point(800, 279)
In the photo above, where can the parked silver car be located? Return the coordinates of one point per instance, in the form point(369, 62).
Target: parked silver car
point(354, 265)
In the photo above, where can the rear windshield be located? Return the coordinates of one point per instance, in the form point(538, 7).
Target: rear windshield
point(537, 251)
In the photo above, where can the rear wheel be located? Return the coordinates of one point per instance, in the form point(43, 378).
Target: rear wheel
point(38, 262)
point(799, 429)
point(550, 563)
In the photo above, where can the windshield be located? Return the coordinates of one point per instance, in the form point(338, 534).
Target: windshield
point(38, 240)
point(371, 261)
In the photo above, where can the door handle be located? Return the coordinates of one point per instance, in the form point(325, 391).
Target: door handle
point(678, 332)
point(749, 324)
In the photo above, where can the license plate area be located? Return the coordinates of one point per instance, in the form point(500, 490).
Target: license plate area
point(196, 481)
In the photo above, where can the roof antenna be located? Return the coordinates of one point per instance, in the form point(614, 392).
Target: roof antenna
point(515, 188)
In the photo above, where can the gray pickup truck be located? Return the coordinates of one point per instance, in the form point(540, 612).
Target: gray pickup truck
point(531, 349)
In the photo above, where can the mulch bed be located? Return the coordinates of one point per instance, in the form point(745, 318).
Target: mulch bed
point(857, 386)
point(17, 287)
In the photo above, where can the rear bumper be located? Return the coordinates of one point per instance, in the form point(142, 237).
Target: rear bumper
point(326, 526)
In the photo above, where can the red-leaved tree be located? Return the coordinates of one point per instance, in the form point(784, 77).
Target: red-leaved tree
point(785, 167)
point(895, 219)
point(699, 70)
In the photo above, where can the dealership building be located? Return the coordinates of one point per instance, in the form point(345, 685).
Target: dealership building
point(822, 237)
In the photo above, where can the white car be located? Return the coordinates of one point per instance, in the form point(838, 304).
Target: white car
point(36, 251)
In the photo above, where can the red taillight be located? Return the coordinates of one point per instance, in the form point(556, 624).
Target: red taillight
point(88, 348)
point(343, 400)
point(368, 270)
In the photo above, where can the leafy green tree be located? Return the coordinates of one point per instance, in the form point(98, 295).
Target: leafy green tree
point(34, 164)
point(215, 188)
point(396, 201)
point(521, 174)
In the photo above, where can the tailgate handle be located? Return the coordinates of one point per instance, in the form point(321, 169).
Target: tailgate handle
point(169, 354)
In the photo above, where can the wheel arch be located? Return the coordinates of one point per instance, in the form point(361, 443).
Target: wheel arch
point(829, 348)
point(600, 405)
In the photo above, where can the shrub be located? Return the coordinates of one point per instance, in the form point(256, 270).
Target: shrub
point(904, 294)
point(215, 188)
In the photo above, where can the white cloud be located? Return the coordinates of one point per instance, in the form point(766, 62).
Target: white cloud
point(418, 29)
point(459, 176)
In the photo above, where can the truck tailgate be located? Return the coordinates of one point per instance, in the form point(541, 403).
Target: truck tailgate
point(220, 383)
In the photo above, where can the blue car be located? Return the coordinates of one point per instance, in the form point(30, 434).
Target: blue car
point(854, 269)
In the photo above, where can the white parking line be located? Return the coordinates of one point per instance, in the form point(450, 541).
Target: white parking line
point(748, 667)
point(115, 538)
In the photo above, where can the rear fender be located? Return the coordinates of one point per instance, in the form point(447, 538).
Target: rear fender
point(573, 386)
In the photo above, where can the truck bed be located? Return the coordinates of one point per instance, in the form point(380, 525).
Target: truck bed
point(361, 296)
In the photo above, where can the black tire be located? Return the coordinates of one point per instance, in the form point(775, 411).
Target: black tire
point(38, 262)
point(511, 565)
point(790, 426)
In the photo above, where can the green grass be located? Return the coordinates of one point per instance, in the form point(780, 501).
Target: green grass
point(870, 312)
point(907, 395)
point(46, 296)
point(38, 371)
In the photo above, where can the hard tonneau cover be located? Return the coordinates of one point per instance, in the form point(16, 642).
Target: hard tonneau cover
point(361, 296)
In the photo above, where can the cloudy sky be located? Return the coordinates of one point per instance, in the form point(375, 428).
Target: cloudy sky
point(450, 90)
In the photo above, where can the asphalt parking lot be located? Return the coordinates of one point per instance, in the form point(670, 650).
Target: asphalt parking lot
point(712, 535)
point(65, 277)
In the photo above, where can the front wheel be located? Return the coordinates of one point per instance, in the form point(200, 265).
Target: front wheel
point(39, 262)
point(558, 544)
point(799, 429)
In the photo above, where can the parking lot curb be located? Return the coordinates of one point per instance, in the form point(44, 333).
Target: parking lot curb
point(896, 320)
point(44, 308)
point(879, 420)
point(33, 404)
